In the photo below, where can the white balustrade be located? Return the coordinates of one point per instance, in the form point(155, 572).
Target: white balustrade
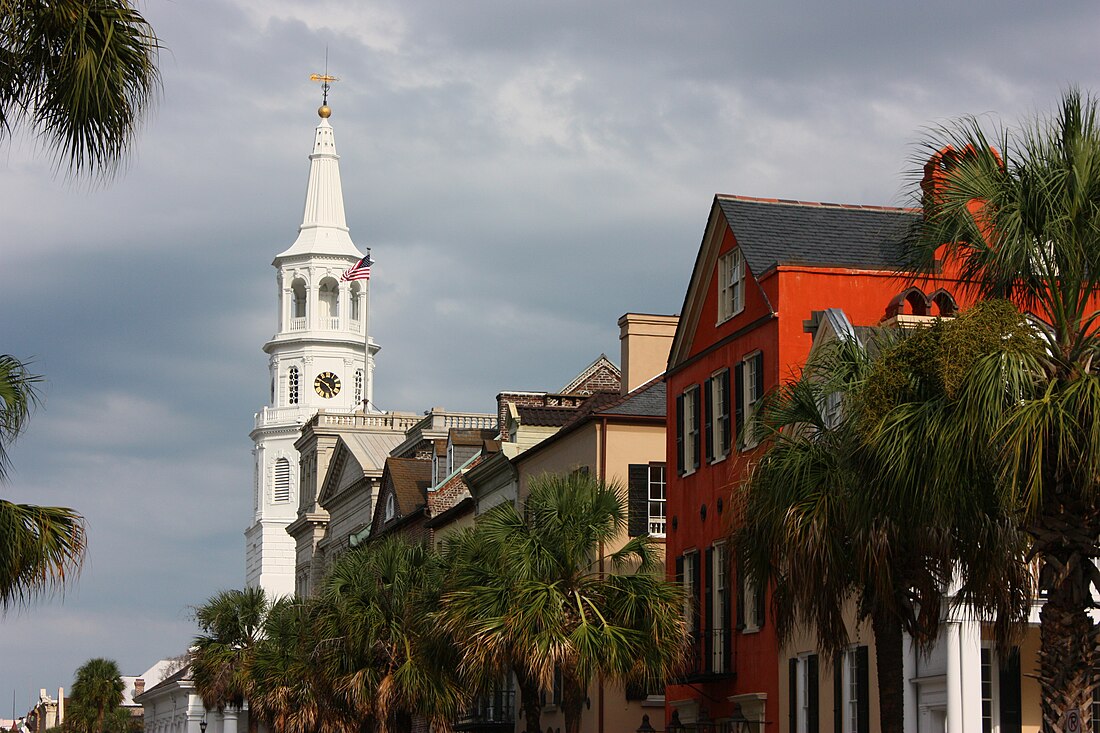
point(334, 323)
point(297, 324)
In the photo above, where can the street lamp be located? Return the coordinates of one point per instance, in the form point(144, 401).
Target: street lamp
point(739, 723)
point(202, 724)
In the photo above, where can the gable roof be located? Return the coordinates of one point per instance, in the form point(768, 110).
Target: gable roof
point(601, 374)
point(410, 479)
point(774, 232)
point(367, 449)
point(647, 400)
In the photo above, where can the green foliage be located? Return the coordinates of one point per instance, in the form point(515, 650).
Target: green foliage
point(95, 698)
point(78, 73)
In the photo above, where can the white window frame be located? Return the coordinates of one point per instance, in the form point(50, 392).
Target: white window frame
point(714, 415)
point(281, 493)
point(691, 588)
point(657, 477)
point(849, 690)
point(749, 612)
point(748, 377)
point(803, 697)
point(391, 508)
point(719, 581)
point(731, 285)
point(990, 675)
point(691, 404)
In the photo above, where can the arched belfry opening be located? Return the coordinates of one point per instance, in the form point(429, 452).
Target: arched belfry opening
point(328, 303)
point(298, 304)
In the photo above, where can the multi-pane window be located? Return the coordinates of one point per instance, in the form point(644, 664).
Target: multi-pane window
point(750, 390)
point(1000, 690)
point(690, 578)
point(282, 480)
point(717, 399)
point(851, 691)
point(803, 692)
point(292, 386)
point(358, 387)
point(987, 690)
point(657, 499)
point(719, 611)
point(688, 424)
point(731, 284)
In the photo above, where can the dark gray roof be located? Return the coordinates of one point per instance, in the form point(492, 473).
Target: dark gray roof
point(649, 401)
point(780, 232)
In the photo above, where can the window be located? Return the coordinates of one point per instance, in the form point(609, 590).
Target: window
point(731, 285)
point(358, 387)
point(355, 304)
point(328, 297)
point(688, 424)
point(750, 390)
point(657, 499)
point(282, 480)
point(292, 386)
point(717, 399)
point(298, 298)
point(750, 603)
point(688, 572)
point(803, 691)
point(1000, 692)
point(391, 508)
point(720, 609)
point(850, 688)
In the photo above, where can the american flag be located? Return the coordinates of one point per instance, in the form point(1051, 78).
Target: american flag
point(360, 271)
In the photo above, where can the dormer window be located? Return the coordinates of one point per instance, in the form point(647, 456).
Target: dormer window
point(731, 285)
point(450, 458)
point(391, 508)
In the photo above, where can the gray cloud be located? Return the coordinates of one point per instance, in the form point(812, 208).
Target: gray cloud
point(524, 172)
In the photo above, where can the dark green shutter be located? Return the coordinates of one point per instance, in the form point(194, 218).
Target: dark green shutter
point(708, 611)
point(838, 694)
point(792, 682)
point(725, 427)
point(740, 594)
point(680, 435)
point(863, 691)
point(638, 495)
point(758, 386)
point(739, 398)
point(698, 412)
point(811, 694)
point(708, 423)
point(1009, 683)
point(680, 570)
point(758, 590)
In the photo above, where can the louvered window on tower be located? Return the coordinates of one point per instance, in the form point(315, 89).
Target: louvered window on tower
point(282, 480)
point(358, 387)
point(292, 386)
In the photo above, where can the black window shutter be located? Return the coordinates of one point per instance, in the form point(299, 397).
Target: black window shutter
point(680, 570)
point(811, 693)
point(739, 397)
point(638, 504)
point(740, 595)
point(708, 423)
point(727, 632)
point(863, 691)
point(758, 590)
point(725, 427)
point(1011, 721)
point(708, 611)
point(838, 694)
point(792, 681)
point(698, 413)
point(695, 580)
point(680, 435)
point(758, 385)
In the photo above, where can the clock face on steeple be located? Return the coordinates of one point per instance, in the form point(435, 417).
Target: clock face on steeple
point(327, 384)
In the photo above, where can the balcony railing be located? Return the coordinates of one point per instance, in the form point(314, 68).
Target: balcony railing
point(332, 323)
point(490, 711)
point(297, 324)
point(709, 654)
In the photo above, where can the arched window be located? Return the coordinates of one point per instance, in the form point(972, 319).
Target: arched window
point(946, 307)
point(356, 306)
point(298, 295)
point(911, 302)
point(282, 481)
point(391, 508)
point(358, 387)
point(292, 386)
point(328, 297)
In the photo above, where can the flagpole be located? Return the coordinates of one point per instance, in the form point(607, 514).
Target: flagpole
point(368, 373)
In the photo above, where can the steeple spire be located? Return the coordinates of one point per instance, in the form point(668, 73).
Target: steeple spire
point(324, 229)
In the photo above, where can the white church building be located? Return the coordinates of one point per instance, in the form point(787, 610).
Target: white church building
point(320, 358)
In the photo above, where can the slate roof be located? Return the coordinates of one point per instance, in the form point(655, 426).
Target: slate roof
point(648, 400)
point(467, 436)
point(782, 232)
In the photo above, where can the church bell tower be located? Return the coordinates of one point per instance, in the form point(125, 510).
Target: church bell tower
point(320, 358)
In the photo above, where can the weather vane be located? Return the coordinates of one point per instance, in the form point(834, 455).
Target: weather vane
point(325, 80)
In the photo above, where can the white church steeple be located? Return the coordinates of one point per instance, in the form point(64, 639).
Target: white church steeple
point(320, 358)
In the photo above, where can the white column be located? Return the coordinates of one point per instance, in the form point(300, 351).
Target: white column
point(964, 677)
point(909, 691)
point(229, 720)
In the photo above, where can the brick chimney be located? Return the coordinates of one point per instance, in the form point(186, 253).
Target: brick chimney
point(139, 686)
point(645, 341)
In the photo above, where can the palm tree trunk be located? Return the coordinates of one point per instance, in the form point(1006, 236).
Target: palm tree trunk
point(572, 701)
point(889, 658)
point(253, 722)
point(1066, 656)
point(530, 695)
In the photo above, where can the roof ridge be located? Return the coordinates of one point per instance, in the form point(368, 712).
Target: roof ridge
point(823, 204)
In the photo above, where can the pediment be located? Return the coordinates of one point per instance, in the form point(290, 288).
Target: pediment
point(343, 471)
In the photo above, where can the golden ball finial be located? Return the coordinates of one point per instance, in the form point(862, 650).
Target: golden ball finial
point(324, 112)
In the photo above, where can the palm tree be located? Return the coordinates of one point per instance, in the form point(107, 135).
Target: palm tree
point(232, 623)
point(40, 547)
point(554, 603)
point(822, 518)
point(97, 690)
point(1020, 214)
point(78, 73)
point(380, 650)
point(288, 692)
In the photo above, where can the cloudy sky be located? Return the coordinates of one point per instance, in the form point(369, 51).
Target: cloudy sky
point(524, 172)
